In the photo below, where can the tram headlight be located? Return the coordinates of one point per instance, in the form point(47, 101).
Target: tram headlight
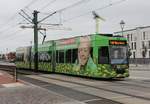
point(119, 67)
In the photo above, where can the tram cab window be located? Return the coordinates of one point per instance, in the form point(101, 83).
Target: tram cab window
point(68, 56)
point(103, 57)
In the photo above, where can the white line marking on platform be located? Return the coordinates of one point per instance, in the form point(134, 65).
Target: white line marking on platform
point(13, 85)
point(91, 100)
point(141, 78)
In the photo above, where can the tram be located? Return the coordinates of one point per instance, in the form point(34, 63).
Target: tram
point(95, 55)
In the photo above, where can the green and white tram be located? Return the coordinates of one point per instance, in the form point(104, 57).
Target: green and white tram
point(96, 55)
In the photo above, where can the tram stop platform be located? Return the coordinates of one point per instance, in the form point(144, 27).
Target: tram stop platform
point(6, 78)
point(22, 92)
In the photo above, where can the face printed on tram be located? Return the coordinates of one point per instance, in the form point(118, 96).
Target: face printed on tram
point(84, 50)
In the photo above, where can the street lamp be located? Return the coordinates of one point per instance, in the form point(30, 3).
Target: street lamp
point(122, 24)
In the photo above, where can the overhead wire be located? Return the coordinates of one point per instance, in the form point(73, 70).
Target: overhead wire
point(48, 4)
point(63, 9)
point(22, 10)
point(71, 6)
point(30, 3)
point(34, 1)
point(101, 8)
point(15, 33)
point(9, 20)
point(14, 16)
point(10, 35)
point(67, 7)
point(26, 14)
point(26, 18)
point(7, 29)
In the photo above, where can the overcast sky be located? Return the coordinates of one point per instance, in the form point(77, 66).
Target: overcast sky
point(76, 20)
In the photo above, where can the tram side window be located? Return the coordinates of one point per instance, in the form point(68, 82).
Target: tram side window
point(50, 56)
point(32, 57)
point(61, 56)
point(74, 55)
point(20, 57)
point(91, 52)
point(44, 57)
point(103, 55)
point(69, 56)
point(57, 57)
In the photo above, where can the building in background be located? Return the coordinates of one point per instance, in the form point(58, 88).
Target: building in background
point(2, 57)
point(139, 43)
point(10, 56)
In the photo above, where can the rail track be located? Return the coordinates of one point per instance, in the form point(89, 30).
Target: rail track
point(105, 89)
point(133, 85)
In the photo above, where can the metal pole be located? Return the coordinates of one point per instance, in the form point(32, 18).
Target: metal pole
point(30, 57)
point(35, 21)
point(53, 57)
point(97, 25)
point(122, 23)
point(15, 74)
point(122, 31)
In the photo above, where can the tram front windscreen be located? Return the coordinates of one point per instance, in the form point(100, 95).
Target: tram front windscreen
point(118, 54)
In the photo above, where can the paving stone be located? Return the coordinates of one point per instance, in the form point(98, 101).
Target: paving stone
point(32, 95)
point(62, 90)
point(133, 100)
point(69, 92)
point(5, 78)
